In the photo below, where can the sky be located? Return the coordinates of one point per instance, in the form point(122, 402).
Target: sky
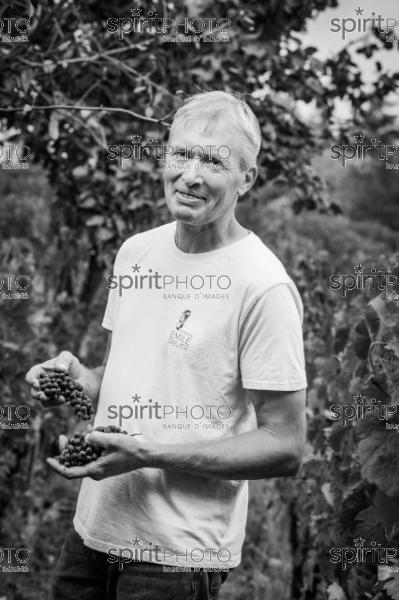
point(328, 36)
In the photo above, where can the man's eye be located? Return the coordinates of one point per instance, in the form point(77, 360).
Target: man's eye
point(213, 161)
point(178, 153)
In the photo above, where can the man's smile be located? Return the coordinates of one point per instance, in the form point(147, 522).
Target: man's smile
point(189, 196)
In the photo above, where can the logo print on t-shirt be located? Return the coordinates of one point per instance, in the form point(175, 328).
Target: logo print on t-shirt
point(179, 337)
point(183, 318)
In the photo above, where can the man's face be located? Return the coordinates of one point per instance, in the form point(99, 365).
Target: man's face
point(202, 174)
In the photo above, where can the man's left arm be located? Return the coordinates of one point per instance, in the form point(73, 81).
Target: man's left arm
point(275, 449)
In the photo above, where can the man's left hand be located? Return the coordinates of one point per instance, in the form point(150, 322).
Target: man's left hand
point(121, 454)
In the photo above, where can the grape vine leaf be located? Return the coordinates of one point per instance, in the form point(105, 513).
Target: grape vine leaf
point(379, 460)
point(388, 508)
point(370, 525)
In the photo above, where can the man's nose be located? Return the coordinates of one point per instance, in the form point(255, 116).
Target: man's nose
point(192, 172)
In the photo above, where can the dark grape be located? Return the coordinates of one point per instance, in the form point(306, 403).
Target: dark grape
point(77, 452)
point(110, 429)
point(58, 386)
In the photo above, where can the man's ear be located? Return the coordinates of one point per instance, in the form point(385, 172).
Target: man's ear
point(248, 180)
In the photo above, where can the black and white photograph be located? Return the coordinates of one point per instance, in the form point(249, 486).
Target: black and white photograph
point(199, 300)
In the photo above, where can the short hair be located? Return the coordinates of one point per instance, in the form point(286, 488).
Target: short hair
point(217, 104)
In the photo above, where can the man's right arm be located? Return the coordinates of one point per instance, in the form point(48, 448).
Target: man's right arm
point(90, 379)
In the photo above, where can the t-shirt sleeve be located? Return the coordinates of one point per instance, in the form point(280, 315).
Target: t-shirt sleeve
point(271, 354)
point(111, 309)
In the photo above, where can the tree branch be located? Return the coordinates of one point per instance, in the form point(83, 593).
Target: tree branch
point(94, 57)
point(66, 61)
point(130, 69)
point(125, 111)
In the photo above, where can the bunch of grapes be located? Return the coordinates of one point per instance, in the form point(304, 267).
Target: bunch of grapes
point(77, 452)
point(59, 387)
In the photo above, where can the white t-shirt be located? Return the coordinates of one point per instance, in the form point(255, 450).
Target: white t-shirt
point(189, 333)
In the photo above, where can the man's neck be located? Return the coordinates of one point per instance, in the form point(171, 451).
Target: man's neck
point(192, 240)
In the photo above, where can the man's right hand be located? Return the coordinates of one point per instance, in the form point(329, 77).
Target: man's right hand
point(66, 362)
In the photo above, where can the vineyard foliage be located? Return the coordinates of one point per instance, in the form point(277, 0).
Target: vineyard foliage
point(75, 89)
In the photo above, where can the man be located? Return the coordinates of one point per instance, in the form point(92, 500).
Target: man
point(204, 368)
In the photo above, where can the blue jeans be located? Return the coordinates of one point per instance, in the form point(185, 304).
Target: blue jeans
point(85, 574)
